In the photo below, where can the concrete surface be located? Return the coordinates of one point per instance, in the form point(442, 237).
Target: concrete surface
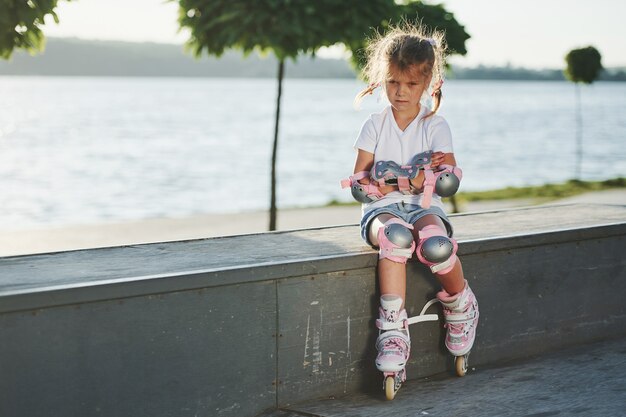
point(476, 232)
point(234, 326)
point(54, 239)
point(586, 380)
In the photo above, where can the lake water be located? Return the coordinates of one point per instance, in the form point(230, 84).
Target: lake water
point(78, 150)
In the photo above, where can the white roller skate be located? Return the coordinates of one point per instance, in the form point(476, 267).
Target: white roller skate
point(460, 312)
point(394, 343)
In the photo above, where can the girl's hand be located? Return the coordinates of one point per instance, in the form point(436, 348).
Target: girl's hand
point(436, 159)
point(440, 158)
point(386, 189)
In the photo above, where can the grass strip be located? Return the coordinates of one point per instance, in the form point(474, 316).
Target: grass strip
point(544, 192)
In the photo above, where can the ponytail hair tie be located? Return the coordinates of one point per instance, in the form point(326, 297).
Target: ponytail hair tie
point(437, 87)
point(372, 87)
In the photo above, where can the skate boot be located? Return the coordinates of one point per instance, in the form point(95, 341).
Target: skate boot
point(461, 315)
point(394, 343)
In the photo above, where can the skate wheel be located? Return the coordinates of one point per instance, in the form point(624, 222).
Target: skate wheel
point(390, 387)
point(460, 363)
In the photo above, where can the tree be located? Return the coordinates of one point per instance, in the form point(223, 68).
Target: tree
point(286, 28)
point(583, 66)
point(20, 24)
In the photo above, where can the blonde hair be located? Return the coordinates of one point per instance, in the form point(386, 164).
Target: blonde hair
point(405, 47)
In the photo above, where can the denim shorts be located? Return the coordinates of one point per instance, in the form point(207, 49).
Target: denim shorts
point(410, 213)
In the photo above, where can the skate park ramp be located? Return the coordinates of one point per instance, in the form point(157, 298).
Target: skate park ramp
point(282, 324)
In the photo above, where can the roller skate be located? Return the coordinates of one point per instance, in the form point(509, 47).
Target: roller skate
point(460, 312)
point(394, 343)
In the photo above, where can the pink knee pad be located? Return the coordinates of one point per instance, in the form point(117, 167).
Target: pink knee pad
point(395, 241)
point(436, 249)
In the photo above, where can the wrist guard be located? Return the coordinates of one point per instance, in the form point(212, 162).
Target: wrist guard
point(389, 172)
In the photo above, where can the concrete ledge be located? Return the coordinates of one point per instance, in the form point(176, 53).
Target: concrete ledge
point(233, 326)
point(34, 281)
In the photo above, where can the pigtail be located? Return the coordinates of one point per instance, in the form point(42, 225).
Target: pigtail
point(436, 97)
point(368, 91)
point(438, 47)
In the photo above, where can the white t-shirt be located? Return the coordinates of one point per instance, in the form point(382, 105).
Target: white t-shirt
point(381, 136)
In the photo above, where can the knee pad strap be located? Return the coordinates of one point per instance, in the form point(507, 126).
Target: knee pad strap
point(395, 241)
point(436, 249)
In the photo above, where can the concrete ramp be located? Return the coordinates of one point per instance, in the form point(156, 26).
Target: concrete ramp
point(253, 324)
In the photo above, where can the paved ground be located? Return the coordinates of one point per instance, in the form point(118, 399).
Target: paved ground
point(584, 381)
point(616, 196)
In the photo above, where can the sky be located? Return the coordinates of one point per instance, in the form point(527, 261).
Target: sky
point(522, 33)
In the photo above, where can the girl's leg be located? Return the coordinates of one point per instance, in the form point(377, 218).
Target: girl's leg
point(454, 281)
point(391, 275)
point(393, 342)
point(459, 303)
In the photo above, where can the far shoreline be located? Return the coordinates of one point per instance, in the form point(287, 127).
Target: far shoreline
point(67, 57)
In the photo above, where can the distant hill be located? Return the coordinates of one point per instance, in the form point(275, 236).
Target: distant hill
point(109, 58)
point(514, 73)
point(67, 57)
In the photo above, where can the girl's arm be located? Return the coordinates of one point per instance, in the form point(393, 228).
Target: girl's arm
point(364, 162)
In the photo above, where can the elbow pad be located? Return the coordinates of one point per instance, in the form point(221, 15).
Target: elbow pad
point(448, 180)
point(363, 193)
point(444, 182)
point(390, 172)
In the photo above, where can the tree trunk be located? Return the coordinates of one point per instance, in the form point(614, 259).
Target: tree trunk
point(455, 205)
point(579, 134)
point(281, 71)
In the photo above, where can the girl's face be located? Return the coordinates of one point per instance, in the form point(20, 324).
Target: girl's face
point(405, 88)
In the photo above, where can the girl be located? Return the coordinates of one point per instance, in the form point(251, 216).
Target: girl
point(400, 218)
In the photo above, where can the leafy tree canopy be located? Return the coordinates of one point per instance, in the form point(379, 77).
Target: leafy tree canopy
point(583, 65)
point(20, 24)
point(286, 27)
point(290, 27)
